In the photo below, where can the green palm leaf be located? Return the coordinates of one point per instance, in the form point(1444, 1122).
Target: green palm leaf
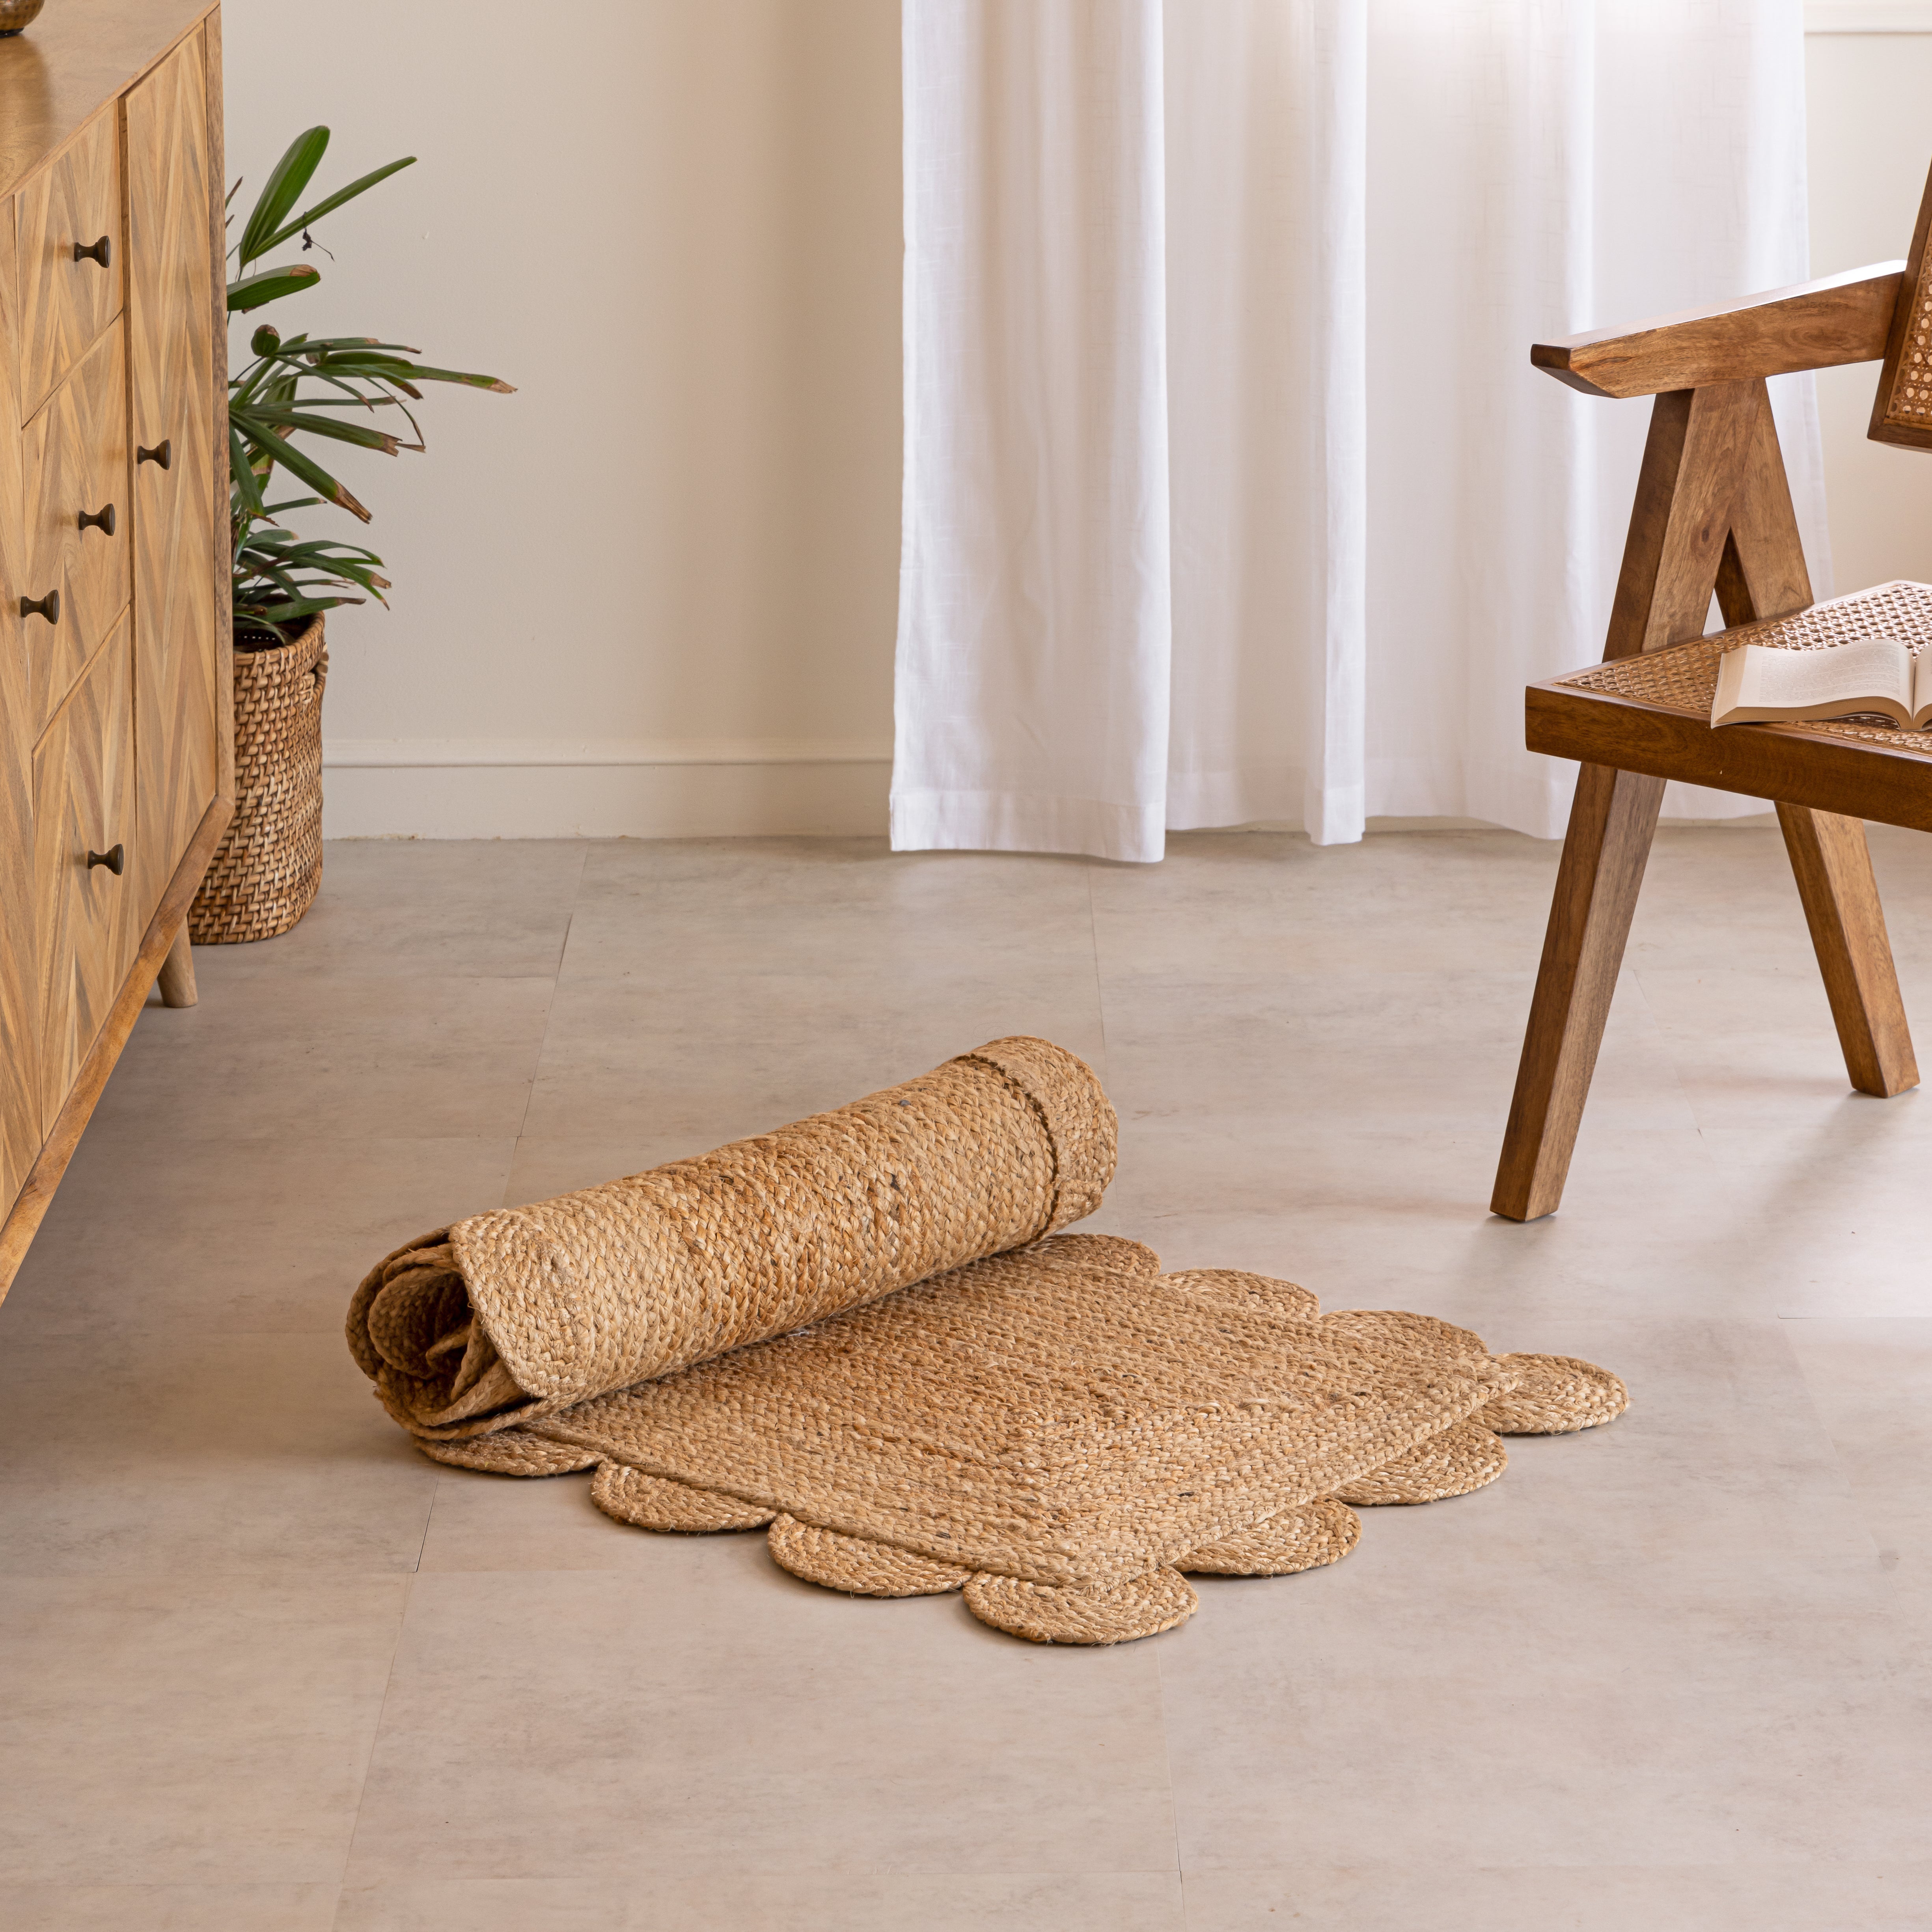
point(303, 387)
point(252, 291)
point(299, 463)
point(290, 177)
point(259, 424)
point(296, 223)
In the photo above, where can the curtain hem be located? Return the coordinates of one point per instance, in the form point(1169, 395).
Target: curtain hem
point(1002, 821)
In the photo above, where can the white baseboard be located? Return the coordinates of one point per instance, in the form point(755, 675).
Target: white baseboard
point(407, 753)
point(610, 788)
point(643, 788)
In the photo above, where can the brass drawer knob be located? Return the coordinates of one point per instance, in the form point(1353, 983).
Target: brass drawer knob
point(47, 606)
point(162, 453)
point(100, 252)
point(115, 859)
point(102, 521)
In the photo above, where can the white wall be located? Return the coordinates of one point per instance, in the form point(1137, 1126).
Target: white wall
point(1870, 143)
point(654, 592)
point(674, 224)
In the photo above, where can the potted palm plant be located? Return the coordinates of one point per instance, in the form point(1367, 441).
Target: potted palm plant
point(265, 874)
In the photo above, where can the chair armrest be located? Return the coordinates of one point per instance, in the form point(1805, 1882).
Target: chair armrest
point(1811, 325)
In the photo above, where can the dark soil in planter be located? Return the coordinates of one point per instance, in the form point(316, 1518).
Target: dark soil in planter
point(253, 638)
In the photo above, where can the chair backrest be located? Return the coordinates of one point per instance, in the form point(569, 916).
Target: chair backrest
point(1902, 410)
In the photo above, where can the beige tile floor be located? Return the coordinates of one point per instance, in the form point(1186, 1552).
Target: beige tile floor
point(267, 1670)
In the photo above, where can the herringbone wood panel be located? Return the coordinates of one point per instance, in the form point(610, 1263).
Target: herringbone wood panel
point(19, 1023)
point(171, 297)
point(65, 303)
point(75, 459)
point(83, 803)
point(218, 422)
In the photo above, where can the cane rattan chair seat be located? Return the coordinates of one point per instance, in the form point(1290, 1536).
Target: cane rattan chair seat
point(1684, 677)
point(1659, 707)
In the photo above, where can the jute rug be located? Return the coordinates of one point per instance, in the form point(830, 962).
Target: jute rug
point(1058, 1430)
point(523, 1313)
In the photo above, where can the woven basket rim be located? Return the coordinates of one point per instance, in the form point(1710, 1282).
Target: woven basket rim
point(301, 637)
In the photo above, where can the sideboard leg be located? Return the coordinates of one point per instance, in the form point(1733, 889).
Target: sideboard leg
point(176, 977)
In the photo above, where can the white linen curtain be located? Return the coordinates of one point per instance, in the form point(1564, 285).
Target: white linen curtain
point(1230, 494)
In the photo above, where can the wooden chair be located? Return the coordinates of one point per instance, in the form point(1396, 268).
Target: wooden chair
point(1713, 512)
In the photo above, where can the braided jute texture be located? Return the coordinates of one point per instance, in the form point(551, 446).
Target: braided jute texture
point(268, 869)
point(521, 1313)
point(1063, 1433)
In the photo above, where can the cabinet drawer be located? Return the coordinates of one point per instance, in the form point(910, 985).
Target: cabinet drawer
point(174, 285)
point(74, 202)
point(89, 926)
point(75, 460)
point(20, 994)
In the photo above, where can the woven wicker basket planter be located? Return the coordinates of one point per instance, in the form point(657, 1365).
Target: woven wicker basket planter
point(268, 869)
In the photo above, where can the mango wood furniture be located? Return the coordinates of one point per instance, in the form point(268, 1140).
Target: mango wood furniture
point(1713, 513)
point(115, 756)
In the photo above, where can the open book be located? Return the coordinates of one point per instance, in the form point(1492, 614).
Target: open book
point(1759, 684)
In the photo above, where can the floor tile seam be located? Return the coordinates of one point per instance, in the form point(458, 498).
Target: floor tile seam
point(1296, 1868)
point(267, 978)
point(297, 1573)
point(202, 1572)
point(375, 1735)
point(1853, 1489)
point(213, 980)
point(1811, 1315)
point(1100, 979)
point(930, 944)
point(429, 1519)
point(550, 1018)
point(750, 1866)
point(202, 1341)
point(165, 1885)
point(880, 1867)
point(226, 1330)
point(1698, 1123)
point(1167, 1767)
point(536, 1074)
point(570, 921)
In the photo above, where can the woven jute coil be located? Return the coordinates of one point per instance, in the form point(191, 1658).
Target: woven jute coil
point(1323, 1532)
point(651, 1502)
point(1465, 1457)
point(268, 869)
point(1054, 1428)
point(1142, 1606)
point(1555, 1395)
point(858, 1565)
point(524, 1312)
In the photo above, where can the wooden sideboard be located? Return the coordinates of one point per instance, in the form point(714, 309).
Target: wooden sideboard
point(116, 756)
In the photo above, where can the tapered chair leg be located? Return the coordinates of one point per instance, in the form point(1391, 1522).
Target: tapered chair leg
point(1611, 826)
point(1833, 866)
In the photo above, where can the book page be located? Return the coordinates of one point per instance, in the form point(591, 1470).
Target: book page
point(1868, 668)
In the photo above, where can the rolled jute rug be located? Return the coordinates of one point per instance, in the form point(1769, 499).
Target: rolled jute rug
point(1043, 1420)
point(522, 1312)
